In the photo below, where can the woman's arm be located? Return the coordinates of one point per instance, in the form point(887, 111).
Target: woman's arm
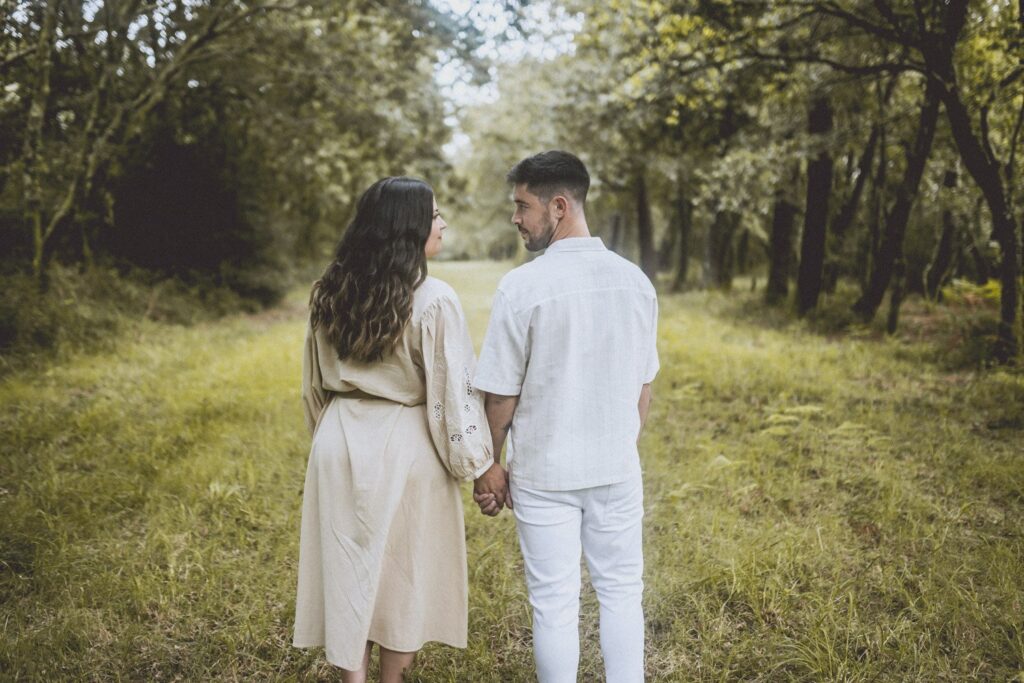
point(313, 395)
point(454, 408)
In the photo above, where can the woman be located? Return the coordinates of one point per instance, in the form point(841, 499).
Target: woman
point(395, 423)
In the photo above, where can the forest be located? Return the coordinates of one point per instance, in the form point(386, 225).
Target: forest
point(865, 148)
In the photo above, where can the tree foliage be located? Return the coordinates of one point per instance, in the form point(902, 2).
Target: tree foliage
point(229, 136)
point(708, 102)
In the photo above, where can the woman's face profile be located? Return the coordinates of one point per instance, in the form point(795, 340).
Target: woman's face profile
point(437, 226)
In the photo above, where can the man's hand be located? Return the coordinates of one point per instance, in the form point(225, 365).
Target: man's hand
point(490, 491)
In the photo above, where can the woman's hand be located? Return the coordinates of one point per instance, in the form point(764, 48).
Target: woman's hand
point(488, 504)
point(490, 490)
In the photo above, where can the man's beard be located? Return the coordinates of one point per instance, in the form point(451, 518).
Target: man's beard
point(542, 240)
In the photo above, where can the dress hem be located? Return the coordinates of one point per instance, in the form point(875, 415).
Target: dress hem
point(296, 643)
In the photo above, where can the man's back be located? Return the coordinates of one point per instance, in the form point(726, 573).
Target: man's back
point(575, 334)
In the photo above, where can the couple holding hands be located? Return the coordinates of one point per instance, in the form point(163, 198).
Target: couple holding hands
point(400, 412)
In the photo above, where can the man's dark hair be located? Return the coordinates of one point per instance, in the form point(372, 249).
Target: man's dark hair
point(548, 173)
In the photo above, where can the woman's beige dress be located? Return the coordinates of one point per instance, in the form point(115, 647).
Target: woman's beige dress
point(382, 554)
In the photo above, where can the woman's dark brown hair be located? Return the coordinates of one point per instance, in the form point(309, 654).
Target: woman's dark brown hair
point(363, 300)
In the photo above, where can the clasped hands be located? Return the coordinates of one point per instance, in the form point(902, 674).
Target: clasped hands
point(491, 491)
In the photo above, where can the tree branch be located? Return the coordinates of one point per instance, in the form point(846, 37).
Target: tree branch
point(13, 58)
point(860, 70)
point(897, 26)
point(869, 27)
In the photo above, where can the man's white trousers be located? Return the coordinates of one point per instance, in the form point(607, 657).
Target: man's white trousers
point(605, 523)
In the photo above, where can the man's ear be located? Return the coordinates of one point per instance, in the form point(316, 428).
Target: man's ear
point(562, 204)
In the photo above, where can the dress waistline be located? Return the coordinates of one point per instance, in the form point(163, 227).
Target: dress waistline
point(355, 393)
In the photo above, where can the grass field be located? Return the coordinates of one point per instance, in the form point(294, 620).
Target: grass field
point(817, 510)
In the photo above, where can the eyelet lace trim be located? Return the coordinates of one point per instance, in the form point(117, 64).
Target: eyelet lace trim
point(438, 410)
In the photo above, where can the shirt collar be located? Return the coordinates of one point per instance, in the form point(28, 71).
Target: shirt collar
point(576, 244)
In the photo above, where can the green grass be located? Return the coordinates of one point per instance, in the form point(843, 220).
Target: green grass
point(816, 510)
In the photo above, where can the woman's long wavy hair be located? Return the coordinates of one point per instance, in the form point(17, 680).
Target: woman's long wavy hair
point(363, 300)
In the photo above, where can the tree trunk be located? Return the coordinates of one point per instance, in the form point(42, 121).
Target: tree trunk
point(684, 223)
point(645, 229)
point(876, 139)
point(819, 188)
point(987, 175)
point(34, 165)
point(939, 268)
point(780, 250)
point(896, 296)
point(982, 271)
point(743, 252)
point(869, 254)
point(667, 250)
point(719, 255)
point(985, 169)
point(848, 211)
point(896, 220)
point(615, 239)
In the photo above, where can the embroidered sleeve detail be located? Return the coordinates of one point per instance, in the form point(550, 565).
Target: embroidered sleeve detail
point(454, 407)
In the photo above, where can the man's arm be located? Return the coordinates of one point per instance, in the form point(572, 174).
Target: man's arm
point(644, 406)
point(500, 410)
point(489, 492)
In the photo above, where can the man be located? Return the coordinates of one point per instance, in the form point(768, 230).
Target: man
point(566, 365)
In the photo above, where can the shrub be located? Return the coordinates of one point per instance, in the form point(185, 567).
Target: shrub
point(966, 293)
point(973, 311)
point(87, 309)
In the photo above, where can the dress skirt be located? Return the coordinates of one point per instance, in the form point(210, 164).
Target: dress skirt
point(382, 554)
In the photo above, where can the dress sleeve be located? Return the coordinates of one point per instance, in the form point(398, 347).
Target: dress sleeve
point(313, 395)
point(455, 412)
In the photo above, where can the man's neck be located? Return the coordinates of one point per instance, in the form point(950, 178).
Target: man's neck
point(570, 229)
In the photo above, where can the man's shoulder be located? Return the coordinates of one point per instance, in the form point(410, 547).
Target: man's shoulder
point(540, 278)
point(613, 264)
point(633, 271)
point(515, 282)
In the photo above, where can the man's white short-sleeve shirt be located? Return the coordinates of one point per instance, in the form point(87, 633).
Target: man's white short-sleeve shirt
point(573, 334)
